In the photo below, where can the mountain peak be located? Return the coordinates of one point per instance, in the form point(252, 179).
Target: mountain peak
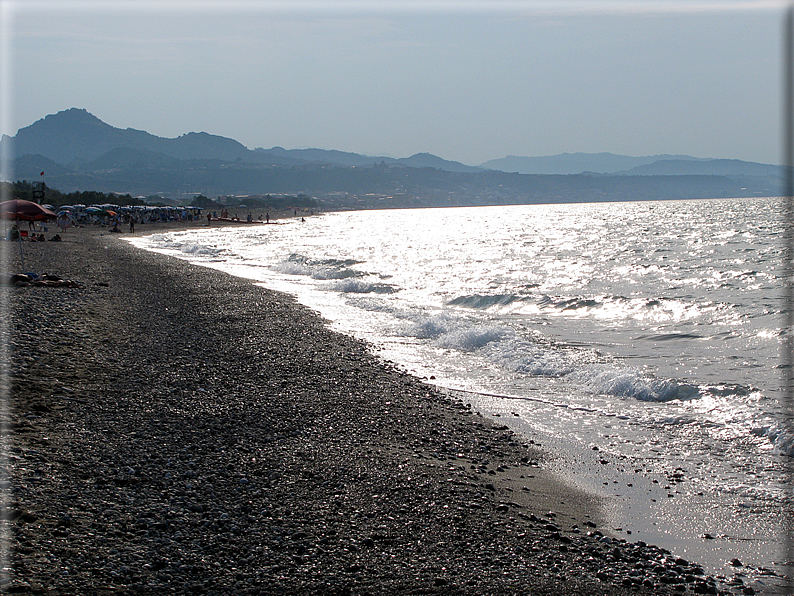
point(74, 115)
point(75, 136)
point(74, 112)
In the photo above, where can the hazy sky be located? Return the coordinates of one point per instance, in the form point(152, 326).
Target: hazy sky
point(467, 81)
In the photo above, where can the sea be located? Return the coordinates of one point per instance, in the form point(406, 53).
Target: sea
point(640, 343)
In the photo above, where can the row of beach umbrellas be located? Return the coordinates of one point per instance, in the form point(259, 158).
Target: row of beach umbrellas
point(19, 209)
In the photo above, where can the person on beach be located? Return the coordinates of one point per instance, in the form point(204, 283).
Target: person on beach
point(64, 221)
point(267, 217)
point(209, 219)
point(132, 225)
point(13, 233)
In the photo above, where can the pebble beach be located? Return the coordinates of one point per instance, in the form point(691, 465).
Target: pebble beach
point(172, 429)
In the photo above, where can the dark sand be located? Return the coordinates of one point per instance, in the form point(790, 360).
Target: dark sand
point(174, 429)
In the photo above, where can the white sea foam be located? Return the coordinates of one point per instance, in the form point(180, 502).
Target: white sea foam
point(526, 357)
point(194, 248)
point(471, 338)
point(178, 242)
point(292, 268)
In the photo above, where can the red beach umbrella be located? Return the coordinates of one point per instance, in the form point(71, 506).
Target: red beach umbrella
point(24, 211)
point(20, 210)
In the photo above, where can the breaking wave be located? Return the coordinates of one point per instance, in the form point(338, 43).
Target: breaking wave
point(533, 355)
point(320, 269)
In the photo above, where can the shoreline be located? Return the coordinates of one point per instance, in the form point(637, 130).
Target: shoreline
point(665, 503)
point(177, 416)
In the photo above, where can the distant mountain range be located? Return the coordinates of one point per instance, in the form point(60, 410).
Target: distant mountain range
point(576, 163)
point(76, 137)
point(609, 163)
point(80, 152)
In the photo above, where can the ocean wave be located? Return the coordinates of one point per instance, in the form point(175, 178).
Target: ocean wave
point(190, 248)
point(572, 302)
point(424, 327)
point(336, 263)
point(615, 307)
point(309, 262)
point(561, 303)
point(500, 344)
point(292, 268)
point(324, 273)
point(524, 354)
point(578, 303)
point(728, 389)
point(472, 338)
point(320, 269)
point(529, 356)
point(779, 434)
point(480, 301)
point(195, 249)
point(358, 286)
point(669, 336)
point(632, 384)
point(373, 304)
point(452, 333)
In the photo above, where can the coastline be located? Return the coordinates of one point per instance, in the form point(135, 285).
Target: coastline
point(176, 428)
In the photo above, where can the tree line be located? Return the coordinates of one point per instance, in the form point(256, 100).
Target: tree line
point(273, 203)
point(26, 190)
point(23, 189)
